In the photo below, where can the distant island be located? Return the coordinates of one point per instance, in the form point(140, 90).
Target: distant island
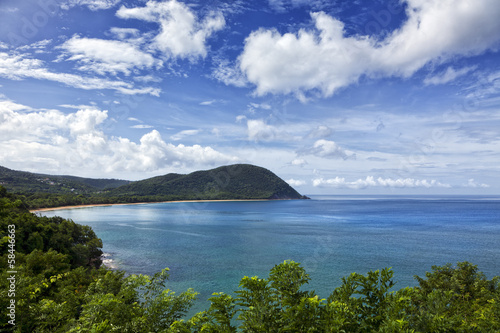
point(231, 182)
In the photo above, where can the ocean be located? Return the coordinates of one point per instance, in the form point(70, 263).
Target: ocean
point(210, 246)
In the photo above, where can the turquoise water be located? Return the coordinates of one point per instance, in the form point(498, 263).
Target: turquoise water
point(211, 246)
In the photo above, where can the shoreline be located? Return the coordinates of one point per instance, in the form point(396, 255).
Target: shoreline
point(48, 209)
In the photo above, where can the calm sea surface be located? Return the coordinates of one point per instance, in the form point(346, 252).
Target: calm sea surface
point(211, 246)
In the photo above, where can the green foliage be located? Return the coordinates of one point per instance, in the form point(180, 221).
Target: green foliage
point(78, 242)
point(458, 299)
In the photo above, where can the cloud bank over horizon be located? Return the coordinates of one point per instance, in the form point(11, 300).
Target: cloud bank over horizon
point(74, 143)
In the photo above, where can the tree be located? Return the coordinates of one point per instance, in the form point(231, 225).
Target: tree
point(458, 299)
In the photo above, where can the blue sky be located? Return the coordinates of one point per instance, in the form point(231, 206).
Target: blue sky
point(341, 97)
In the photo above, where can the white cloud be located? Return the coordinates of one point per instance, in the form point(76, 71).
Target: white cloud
point(447, 76)
point(299, 162)
point(37, 47)
point(147, 78)
point(108, 56)
point(229, 74)
point(125, 33)
point(325, 59)
point(258, 130)
point(240, 118)
point(328, 149)
point(216, 131)
point(293, 182)
point(181, 33)
point(91, 4)
point(473, 184)
point(322, 131)
point(182, 134)
point(75, 143)
point(141, 126)
point(43, 126)
point(18, 67)
point(152, 153)
point(282, 5)
point(370, 181)
point(10, 105)
point(264, 106)
point(77, 107)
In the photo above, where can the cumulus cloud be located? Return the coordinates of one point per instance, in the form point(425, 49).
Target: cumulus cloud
point(325, 59)
point(75, 142)
point(19, 67)
point(181, 33)
point(108, 56)
point(153, 153)
point(370, 182)
point(328, 149)
point(46, 126)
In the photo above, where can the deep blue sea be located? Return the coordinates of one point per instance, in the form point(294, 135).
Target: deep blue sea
point(210, 246)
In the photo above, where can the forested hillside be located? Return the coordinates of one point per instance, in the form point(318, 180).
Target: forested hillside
point(29, 183)
point(239, 181)
point(51, 282)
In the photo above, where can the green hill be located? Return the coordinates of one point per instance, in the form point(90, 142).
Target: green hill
point(239, 181)
point(27, 183)
point(233, 182)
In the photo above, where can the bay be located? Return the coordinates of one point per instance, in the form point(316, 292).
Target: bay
point(210, 246)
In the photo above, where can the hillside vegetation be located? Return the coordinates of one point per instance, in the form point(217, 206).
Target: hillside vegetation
point(239, 181)
point(60, 287)
point(28, 183)
point(233, 182)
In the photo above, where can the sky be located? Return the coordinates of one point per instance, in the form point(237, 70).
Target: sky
point(335, 97)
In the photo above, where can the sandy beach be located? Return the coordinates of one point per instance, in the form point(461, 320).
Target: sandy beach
point(138, 203)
